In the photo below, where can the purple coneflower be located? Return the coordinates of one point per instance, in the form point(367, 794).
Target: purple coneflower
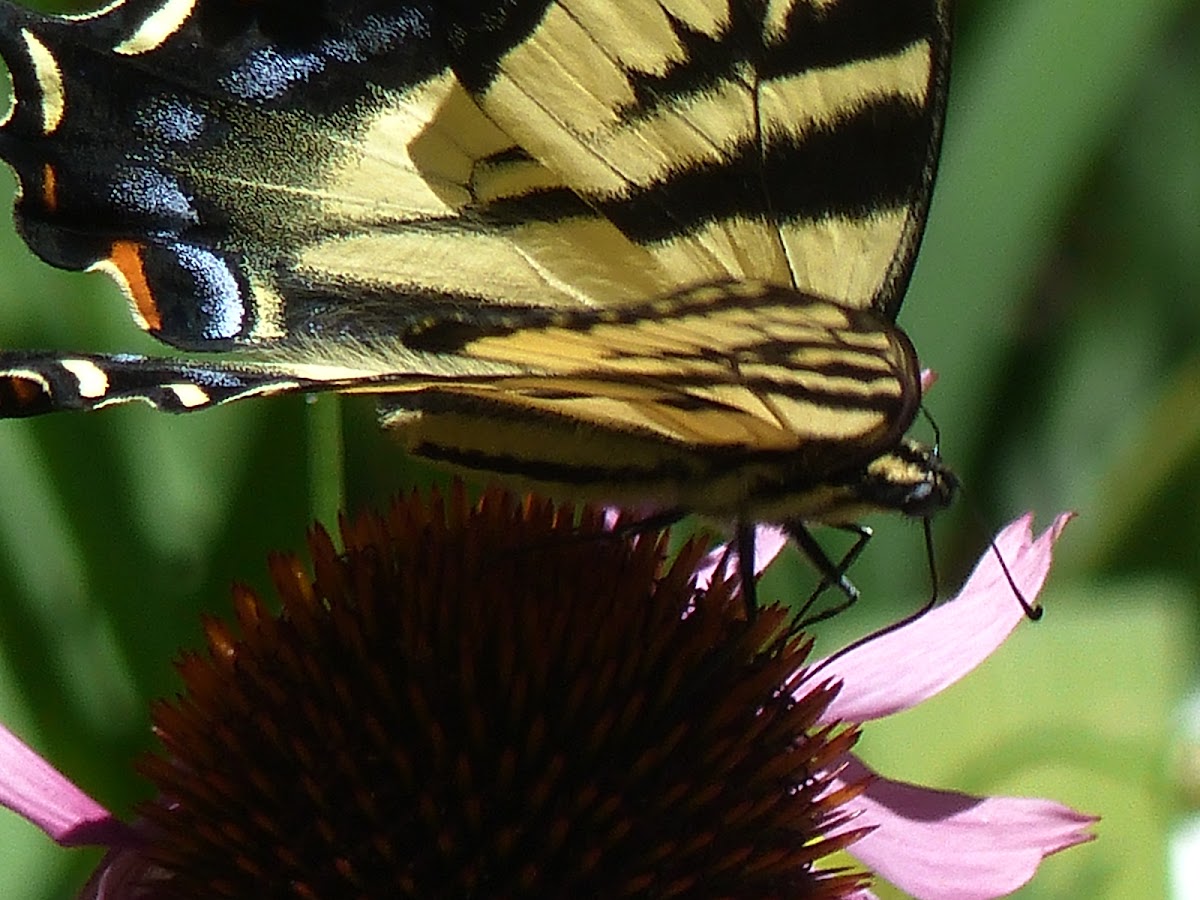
point(502, 700)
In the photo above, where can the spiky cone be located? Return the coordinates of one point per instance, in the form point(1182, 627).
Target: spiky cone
point(495, 701)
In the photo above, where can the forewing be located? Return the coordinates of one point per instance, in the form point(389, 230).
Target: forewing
point(790, 142)
point(529, 177)
point(249, 176)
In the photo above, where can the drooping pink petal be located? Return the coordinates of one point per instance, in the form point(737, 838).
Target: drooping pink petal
point(942, 845)
point(34, 789)
point(901, 668)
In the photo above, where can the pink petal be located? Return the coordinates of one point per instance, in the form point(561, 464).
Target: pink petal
point(768, 541)
point(941, 845)
point(33, 788)
point(901, 668)
point(929, 377)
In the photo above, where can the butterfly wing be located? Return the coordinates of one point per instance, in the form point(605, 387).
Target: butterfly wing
point(789, 142)
point(249, 181)
point(426, 201)
point(745, 407)
point(725, 399)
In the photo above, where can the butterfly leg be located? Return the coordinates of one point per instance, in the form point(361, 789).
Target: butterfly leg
point(744, 541)
point(832, 574)
point(741, 549)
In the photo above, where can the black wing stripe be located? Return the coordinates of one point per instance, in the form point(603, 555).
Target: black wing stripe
point(807, 39)
point(866, 164)
point(679, 393)
point(802, 36)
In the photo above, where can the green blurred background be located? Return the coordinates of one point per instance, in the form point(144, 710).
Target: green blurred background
point(1058, 295)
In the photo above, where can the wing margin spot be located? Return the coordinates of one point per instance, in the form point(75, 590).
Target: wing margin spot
point(49, 79)
point(91, 382)
point(191, 396)
point(156, 28)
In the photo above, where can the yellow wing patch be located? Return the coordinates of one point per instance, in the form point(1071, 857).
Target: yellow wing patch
point(581, 94)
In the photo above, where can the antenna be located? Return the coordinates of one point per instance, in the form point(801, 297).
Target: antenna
point(1032, 612)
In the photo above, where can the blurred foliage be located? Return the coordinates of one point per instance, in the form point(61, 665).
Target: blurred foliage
point(1057, 296)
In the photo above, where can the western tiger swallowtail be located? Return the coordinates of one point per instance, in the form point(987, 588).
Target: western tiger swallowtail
point(647, 250)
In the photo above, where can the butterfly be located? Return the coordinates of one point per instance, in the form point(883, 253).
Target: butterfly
point(641, 252)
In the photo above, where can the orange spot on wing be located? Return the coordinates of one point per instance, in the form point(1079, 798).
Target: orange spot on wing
point(126, 256)
point(49, 188)
point(24, 390)
point(21, 396)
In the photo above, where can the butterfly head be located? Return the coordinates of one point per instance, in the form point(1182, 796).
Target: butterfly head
point(911, 479)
